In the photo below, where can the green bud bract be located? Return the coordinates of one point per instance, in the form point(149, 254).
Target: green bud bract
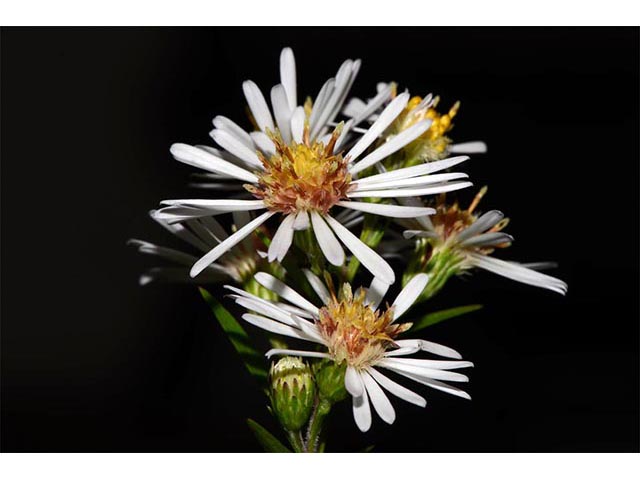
point(292, 392)
point(330, 380)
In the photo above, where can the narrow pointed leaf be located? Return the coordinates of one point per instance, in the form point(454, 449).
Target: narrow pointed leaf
point(252, 359)
point(437, 317)
point(270, 443)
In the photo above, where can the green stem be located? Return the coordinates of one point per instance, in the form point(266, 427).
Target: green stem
point(295, 439)
point(321, 410)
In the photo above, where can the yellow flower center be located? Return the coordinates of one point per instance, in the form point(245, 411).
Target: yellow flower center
point(354, 332)
point(302, 176)
point(432, 144)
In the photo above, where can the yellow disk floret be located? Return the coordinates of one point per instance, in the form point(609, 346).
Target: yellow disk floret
point(434, 143)
point(305, 176)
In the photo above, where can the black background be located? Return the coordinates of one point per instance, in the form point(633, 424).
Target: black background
point(92, 362)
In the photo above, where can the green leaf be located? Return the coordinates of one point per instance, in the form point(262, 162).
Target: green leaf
point(253, 360)
point(270, 443)
point(437, 317)
point(368, 449)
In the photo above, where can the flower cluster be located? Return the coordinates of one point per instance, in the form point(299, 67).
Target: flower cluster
point(316, 190)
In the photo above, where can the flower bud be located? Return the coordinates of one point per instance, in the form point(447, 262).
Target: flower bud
point(292, 392)
point(330, 380)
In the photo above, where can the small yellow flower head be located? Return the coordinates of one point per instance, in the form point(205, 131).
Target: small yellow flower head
point(434, 143)
point(302, 176)
point(355, 333)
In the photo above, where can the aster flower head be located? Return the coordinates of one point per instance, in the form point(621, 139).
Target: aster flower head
point(459, 239)
point(302, 172)
point(354, 331)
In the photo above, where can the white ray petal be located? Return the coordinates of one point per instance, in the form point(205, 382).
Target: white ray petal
point(273, 326)
point(411, 192)
point(176, 214)
point(228, 243)
point(393, 145)
point(258, 106)
point(197, 157)
point(352, 223)
point(208, 239)
point(302, 221)
point(485, 222)
point(409, 294)
point(320, 101)
point(235, 146)
point(288, 76)
point(218, 205)
point(370, 259)
point(419, 233)
point(266, 309)
point(317, 285)
point(362, 411)
point(376, 292)
point(164, 252)
point(373, 105)
point(430, 347)
point(355, 107)
point(488, 240)
point(387, 116)
point(413, 181)
point(263, 142)
point(468, 147)
point(355, 68)
point(297, 124)
point(311, 330)
point(434, 364)
point(327, 241)
point(409, 172)
point(397, 211)
point(180, 231)
point(518, 273)
point(281, 111)
point(341, 84)
point(295, 310)
point(380, 401)
point(428, 373)
point(296, 353)
point(429, 382)
point(281, 241)
point(224, 123)
point(289, 294)
point(288, 309)
point(397, 389)
point(353, 382)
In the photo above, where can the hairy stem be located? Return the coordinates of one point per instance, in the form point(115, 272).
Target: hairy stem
point(295, 439)
point(320, 411)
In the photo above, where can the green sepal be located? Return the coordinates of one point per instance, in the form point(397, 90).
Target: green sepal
point(253, 360)
point(437, 317)
point(270, 443)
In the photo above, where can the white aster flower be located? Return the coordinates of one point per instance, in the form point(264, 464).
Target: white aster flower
point(201, 235)
point(462, 240)
point(354, 330)
point(304, 179)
